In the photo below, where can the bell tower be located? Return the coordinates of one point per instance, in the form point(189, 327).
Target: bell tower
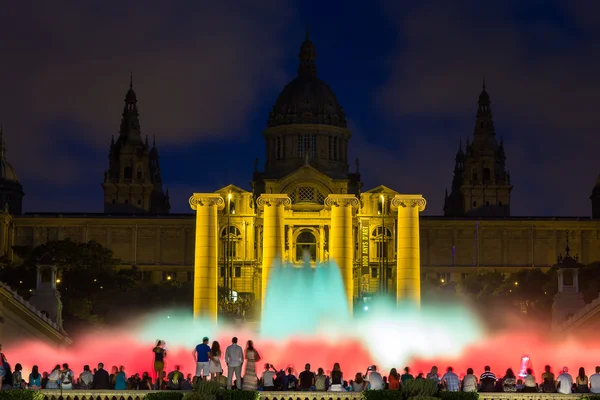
point(481, 184)
point(568, 300)
point(133, 184)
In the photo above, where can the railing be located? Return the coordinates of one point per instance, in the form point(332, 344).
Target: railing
point(140, 394)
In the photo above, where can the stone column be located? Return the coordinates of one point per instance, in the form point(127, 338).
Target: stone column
point(341, 246)
point(408, 274)
point(291, 249)
point(206, 273)
point(321, 243)
point(273, 235)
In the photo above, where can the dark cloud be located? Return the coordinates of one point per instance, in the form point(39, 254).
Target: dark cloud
point(541, 75)
point(199, 69)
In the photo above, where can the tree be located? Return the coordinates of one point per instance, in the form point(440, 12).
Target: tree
point(87, 277)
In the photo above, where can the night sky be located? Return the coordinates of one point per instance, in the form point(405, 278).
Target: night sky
point(206, 76)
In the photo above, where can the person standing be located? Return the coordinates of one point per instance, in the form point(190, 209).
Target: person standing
point(101, 378)
point(252, 356)
point(202, 356)
point(234, 358)
point(160, 353)
point(215, 361)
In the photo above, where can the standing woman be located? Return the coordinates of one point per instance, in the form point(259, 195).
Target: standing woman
point(160, 353)
point(250, 380)
point(215, 361)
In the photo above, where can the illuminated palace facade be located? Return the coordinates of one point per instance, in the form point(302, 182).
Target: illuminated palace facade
point(307, 202)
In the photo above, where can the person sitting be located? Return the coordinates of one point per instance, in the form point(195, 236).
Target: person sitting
point(548, 380)
point(487, 380)
point(291, 382)
point(564, 382)
point(582, 382)
point(268, 378)
point(86, 378)
point(321, 381)
point(359, 384)
point(529, 383)
point(509, 382)
point(307, 379)
point(451, 381)
point(175, 379)
point(469, 383)
point(394, 380)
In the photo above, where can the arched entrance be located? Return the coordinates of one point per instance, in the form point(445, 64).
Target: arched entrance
point(306, 246)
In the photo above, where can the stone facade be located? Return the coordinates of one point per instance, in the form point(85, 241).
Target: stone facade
point(306, 146)
point(163, 246)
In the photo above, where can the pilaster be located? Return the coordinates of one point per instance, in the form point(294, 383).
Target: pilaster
point(273, 206)
point(206, 274)
point(408, 274)
point(341, 246)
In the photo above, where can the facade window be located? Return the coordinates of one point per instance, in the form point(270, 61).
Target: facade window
point(306, 246)
point(114, 201)
point(474, 204)
point(280, 147)
point(230, 238)
point(307, 145)
point(335, 148)
point(221, 272)
point(307, 194)
point(487, 175)
point(487, 203)
point(373, 272)
point(330, 147)
point(500, 204)
point(139, 173)
point(382, 237)
point(126, 201)
point(238, 272)
point(127, 173)
point(190, 276)
point(139, 202)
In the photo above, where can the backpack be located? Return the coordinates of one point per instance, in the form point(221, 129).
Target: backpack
point(320, 381)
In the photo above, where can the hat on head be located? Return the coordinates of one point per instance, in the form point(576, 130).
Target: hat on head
point(205, 338)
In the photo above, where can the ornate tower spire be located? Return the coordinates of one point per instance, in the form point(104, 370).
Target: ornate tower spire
point(484, 124)
point(130, 123)
point(481, 183)
point(308, 55)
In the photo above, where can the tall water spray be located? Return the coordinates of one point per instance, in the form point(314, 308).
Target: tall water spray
point(302, 300)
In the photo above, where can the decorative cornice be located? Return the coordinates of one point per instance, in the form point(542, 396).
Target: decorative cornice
point(206, 199)
point(409, 200)
point(268, 200)
point(341, 200)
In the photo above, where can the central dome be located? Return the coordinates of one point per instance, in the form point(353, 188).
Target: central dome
point(307, 99)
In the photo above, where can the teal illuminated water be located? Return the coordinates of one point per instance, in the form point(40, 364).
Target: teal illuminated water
point(301, 300)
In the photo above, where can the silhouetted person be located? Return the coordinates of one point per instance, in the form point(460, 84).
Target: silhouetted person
point(101, 378)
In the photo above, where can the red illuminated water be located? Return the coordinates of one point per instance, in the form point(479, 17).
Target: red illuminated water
point(128, 348)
